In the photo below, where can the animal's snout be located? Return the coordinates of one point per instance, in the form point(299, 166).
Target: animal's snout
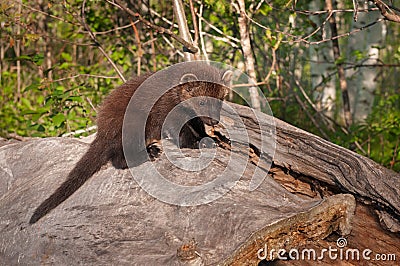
point(210, 121)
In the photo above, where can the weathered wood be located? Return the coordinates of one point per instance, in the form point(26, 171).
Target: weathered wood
point(304, 153)
point(112, 220)
point(366, 232)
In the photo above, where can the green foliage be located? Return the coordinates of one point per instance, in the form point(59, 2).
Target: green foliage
point(52, 82)
point(380, 133)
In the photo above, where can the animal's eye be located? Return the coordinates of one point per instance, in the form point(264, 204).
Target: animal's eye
point(202, 103)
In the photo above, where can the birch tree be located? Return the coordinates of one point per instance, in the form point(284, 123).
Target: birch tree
point(321, 55)
point(363, 49)
point(245, 42)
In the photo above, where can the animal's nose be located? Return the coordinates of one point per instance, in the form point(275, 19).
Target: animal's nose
point(209, 121)
point(213, 122)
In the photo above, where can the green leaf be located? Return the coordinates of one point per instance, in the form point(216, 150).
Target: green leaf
point(67, 57)
point(74, 99)
point(38, 59)
point(58, 119)
point(33, 86)
point(26, 103)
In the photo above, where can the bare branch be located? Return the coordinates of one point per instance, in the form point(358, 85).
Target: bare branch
point(84, 75)
point(50, 15)
point(194, 19)
point(387, 12)
point(233, 39)
point(84, 24)
point(179, 13)
point(139, 44)
point(297, 39)
point(355, 6)
point(172, 46)
point(303, 106)
point(203, 45)
point(80, 131)
point(115, 29)
point(190, 47)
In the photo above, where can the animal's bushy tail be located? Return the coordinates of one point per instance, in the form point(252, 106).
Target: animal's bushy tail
point(88, 165)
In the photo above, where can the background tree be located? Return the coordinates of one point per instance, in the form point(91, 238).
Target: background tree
point(60, 58)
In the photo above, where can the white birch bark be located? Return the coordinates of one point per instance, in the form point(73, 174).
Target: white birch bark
point(247, 52)
point(321, 66)
point(362, 80)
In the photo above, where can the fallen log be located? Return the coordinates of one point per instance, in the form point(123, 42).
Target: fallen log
point(112, 220)
point(309, 155)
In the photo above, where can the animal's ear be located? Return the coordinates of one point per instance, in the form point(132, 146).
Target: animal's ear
point(227, 76)
point(226, 91)
point(188, 77)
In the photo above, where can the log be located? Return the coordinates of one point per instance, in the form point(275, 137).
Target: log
point(304, 153)
point(112, 220)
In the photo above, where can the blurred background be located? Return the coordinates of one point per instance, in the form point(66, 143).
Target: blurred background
point(329, 67)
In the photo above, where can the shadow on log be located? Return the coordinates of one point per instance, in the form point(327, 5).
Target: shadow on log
point(112, 220)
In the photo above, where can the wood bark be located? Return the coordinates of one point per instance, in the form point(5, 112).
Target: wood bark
point(184, 32)
point(112, 220)
point(302, 152)
point(363, 81)
point(248, 53)
point(324, 90)
point(341, 74)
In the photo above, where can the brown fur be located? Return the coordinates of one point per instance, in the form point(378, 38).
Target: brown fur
point(108, 143)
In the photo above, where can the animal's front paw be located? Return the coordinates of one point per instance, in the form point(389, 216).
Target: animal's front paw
point(207, 142)
point(154, 150)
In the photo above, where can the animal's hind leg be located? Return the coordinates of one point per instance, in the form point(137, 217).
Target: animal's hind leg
point(118, 160)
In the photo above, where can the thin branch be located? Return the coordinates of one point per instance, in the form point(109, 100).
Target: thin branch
point(317, 13)
point(203, 45)
point(17, 50)
point(355, 6)
point(86, 26)
point(172, 46)
point(272, 66)
point(297, 39)
point(50, 15)
point(346, 34)
point(44, 35)
point(91, 104)
point(139, 44)
point(222, 39)
point(303, 106)
point(80, 131)
point(184, 32)
point(387, 12)
point(195, 26)
point(220, 31)
point(227, 38)
point(190, 47)
point(116, 29)
point(330, 14)
point(84, 75)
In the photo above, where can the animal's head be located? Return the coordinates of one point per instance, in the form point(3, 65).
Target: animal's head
point(203, 97)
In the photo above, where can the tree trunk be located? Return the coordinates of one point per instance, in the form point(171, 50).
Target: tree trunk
point(184, 32)
point(341, 74)
point(321, 55)
point(362, 80)
point(248, 53)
